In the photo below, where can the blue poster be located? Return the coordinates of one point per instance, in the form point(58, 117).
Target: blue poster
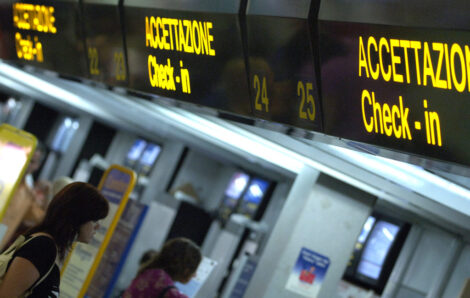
point(308, 273)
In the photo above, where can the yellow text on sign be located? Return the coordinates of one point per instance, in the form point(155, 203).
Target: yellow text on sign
point(261, 100)
point(304, 92)
point(440, 65)
point(28, 49)
point(120, 66)
point(189, 36)
point(163, 76)
point(34, 17)
point(94, 61)
point(392, 120)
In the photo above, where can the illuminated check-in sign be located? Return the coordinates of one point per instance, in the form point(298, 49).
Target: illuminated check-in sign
point(47, 34)
point(396, 82)
point(105, 48)
point(170, 34)
point(283, 81)
point(35, 18)
point(188, 51)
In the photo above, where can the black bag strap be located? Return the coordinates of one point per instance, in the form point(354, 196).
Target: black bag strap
point(166, 289)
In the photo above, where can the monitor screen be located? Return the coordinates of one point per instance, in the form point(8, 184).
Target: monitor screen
point(237, 185)
point(234, 190)
point(366, 229)
point(150, 154)
point(64, 134)
point(256, 191)
point(376, 249)
point(136, 150)
point(148, 158)
point(253, 197)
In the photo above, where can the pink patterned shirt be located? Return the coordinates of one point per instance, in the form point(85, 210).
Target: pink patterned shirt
point(151, 283)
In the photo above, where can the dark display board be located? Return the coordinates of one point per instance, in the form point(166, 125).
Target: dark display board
point(48, 34)
point(282, 68)
point(7, 44)
point(104, 40)
point(397, 74)
point(191, 51)
point(394, 74)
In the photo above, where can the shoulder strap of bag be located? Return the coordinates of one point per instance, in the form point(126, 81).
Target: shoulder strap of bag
point(19, 242)
point(7, 255)
point(166, 289)
point(38, 282)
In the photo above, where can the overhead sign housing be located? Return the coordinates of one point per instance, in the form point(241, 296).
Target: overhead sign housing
point(104, 40)
point(190, 51)
point(281, 40)
point(48, 34)
point(396, 77)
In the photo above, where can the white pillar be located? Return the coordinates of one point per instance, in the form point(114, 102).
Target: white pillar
point(321, 214)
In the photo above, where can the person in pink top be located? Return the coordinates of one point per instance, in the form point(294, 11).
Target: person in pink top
point(177, 261)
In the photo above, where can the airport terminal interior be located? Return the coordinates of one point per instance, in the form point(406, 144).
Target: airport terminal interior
point(310, 148)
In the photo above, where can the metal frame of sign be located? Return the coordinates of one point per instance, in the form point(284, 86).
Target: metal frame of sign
point(109, 232)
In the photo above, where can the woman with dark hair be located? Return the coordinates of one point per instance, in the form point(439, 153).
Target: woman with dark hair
point(72, 215)
point(177, 261)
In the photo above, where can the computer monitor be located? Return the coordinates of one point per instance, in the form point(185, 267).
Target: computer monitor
point(148, 158)
point(376, 251)
point(134, 153)
point(253, 197)
point(234, 190)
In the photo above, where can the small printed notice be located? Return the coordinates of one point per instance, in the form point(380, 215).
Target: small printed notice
point(203, 271)
point(308, 273)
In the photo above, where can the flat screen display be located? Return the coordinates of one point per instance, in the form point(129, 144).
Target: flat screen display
point(366, 229)
point(147, 158)
point(232, 194)
point(253, 197)
point(150, 155)
point(378, 245)
point(135, 152)
point(237, 185)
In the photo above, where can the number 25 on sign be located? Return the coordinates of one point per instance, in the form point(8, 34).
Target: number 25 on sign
point(261, 100)
point(304, 92)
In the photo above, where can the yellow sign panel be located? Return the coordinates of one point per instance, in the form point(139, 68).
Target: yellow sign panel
point(16, 149)
point(81, 264)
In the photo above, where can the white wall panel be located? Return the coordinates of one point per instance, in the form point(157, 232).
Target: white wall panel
point(460, 273)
